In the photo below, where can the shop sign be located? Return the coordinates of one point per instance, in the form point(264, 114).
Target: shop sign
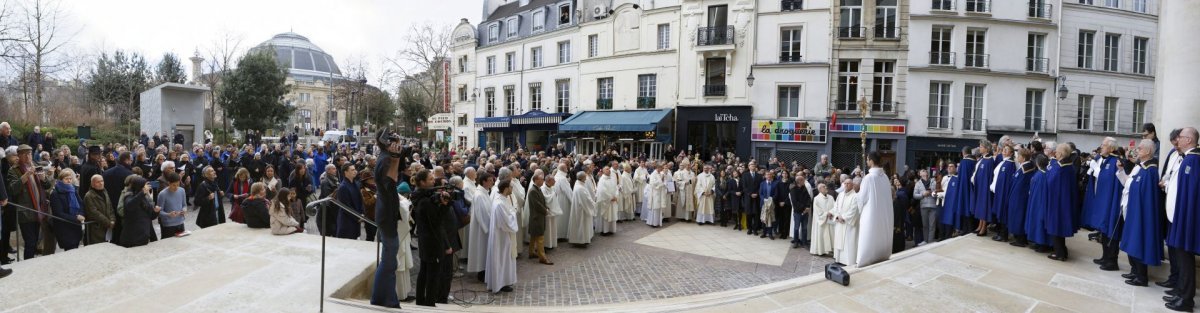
point(725, 117)
point(789, 131)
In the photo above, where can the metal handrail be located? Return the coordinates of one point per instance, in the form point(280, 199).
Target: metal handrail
point(310, 210)
point(21, 246)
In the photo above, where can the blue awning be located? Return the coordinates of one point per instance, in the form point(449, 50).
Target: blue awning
point(615, 121)
point(529, 118)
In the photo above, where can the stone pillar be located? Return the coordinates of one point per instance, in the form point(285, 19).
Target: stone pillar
point(1176, 98)
point(196, 70)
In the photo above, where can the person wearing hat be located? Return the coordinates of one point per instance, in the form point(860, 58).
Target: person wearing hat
point(8, 213)
point(28, 187)
point(367, 181)
point(91, 167)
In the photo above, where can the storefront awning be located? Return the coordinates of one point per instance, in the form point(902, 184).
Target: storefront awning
point(492, 122)
point(539, 117)
point(617, 121)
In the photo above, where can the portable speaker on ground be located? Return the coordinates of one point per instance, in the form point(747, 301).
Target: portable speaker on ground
point(836, 273)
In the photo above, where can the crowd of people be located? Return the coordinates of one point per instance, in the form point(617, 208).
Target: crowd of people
point(478, 207)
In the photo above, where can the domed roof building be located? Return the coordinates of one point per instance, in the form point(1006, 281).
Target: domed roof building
point(301, 56)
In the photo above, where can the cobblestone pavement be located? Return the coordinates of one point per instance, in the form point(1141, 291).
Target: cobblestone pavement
point(614, 269)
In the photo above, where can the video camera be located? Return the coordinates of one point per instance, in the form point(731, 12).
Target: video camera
point(386, 138)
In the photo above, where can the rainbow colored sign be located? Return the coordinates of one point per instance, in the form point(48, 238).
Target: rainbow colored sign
point(789, 131)
point(871, 128)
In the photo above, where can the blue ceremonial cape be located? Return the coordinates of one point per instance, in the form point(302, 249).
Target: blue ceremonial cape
point(1035, 226)
point(1017, 201)
point(1062, 188)
point(999, 208)
point(961, 205)
point(1089, 195)
point(1184, 232)
point(1105, 204)
point(1142, 236)
point(981, 200)
point(948, 215)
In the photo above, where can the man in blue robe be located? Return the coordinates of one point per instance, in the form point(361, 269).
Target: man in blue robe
point(1142, 237)
point(1001, 186)
point(1105, 207)
point(981, 197)
point(948, 216)
point(1062, 184)
point(1035, 216)
point(1184, 232)
point(961, 206)
point(1017, 195)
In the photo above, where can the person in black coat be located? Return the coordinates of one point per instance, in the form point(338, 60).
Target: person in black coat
point(114, 183)
point(255, 208)
point(733, 199)
point(300, 181)
point(801, 209)
point(209, 200)
point(437, 239)
point(67, 206)
point(783, 208)
point(139, 214)
point(349, 193)
point(750, 198)
point(92, 165)
point(900, 206)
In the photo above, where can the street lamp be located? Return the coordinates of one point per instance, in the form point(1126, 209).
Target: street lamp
point(750, 78)
point(1062, 87)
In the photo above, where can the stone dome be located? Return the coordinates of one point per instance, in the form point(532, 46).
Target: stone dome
point(301, 56)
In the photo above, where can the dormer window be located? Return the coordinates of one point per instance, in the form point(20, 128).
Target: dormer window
point(564, 14)
point(493, 32)
point(512, 27)
point(539, 20)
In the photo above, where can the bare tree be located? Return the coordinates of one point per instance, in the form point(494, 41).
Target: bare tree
point(428, 47)
point(42, 39)
point(223, 54)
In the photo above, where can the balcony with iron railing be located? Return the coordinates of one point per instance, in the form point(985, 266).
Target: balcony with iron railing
point(851, 32)
point(715, 36)
point(976, 60)
point(974, 125)
point(714, 90)
point(791, 5)
point(978, 6)
point(604, 104)
point(790, 58)
point(883, 107)
point(943, 5)
point(646, 102)
point(888, 33)
point(1037, 65)
point(1040, 10)
point(939, 122)
point(941, 58)
point(845, 105)
point(1035, 124)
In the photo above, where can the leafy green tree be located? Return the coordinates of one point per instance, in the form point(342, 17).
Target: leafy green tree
point(116, 83)
point(413, 105)
point(169, 70)
point(252, 94)
point(377, 107)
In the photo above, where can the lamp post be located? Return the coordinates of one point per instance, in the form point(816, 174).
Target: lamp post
point(862, 111)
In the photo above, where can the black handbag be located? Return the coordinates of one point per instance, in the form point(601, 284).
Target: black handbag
point(836, 273)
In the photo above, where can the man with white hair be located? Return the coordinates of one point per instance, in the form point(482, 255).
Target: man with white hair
point(607, 199)
point(583, 208)
point(640, 178)
point(685, 187)
point(628, 193)
point(657, 198)
point(1104, 210)
point(705, 192)
point(845, 232)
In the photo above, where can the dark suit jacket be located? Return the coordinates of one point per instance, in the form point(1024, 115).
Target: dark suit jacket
point(537, 211)
point(750, 187)
point(137, 226)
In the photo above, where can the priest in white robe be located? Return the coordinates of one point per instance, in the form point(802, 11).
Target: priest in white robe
point(517, 197)
point(845, 233)
point(641, 178)
point(672, 196)
point(823, 223)
point(481, 222)
point(560, 216)
point(583, 208)
point(628, 193)
point(470, 185)
point(550, 233)
point(875, 225)
point(404, 264)
point(501, 271)
point(706, 190)
point(685, 187)
point(657, 198)
point(607, 203)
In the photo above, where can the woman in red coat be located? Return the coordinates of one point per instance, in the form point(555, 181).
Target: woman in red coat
point(240, 190)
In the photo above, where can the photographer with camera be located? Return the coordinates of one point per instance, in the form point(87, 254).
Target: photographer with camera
point(387, 213)
point(437, 239)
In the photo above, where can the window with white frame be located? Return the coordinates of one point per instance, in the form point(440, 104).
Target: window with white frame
point(604, 93)
point(535, 57)
point(664, 36)
point(976, 54)
point(1139, 6)
point(489, 98)
point(978, 6)
point(885, 19)
point(1141, 47)
point(462, 93)
point(563, 96)
point(564, 52)
point(462, 64)
point(939, 105)
point(789, 43)
point(789, 102)
point(1035, 101)
point(1083, 113)
point(513, 27)
point(647, 91)
point(939, 46)
point(539, 20)
point(494, 32)
point(942, 5)
point(1036, 51)
point(593, 45)
point(1112, 3)
point(535, 96)
point(510, 62)
point(973, 101)
point(847, 88)
point(1110, 114)
point(491, 65)
point(882, 86)
point(1112, 51)
point(510, 100)
point(1089, 2)
point(850, 19)
point(1139, 116)
point(564, 14)
point(1087, 49)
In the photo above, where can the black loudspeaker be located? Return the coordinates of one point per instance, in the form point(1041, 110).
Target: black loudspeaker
point(836, 273)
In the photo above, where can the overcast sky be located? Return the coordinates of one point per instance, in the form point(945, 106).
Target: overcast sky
point(370, 29)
